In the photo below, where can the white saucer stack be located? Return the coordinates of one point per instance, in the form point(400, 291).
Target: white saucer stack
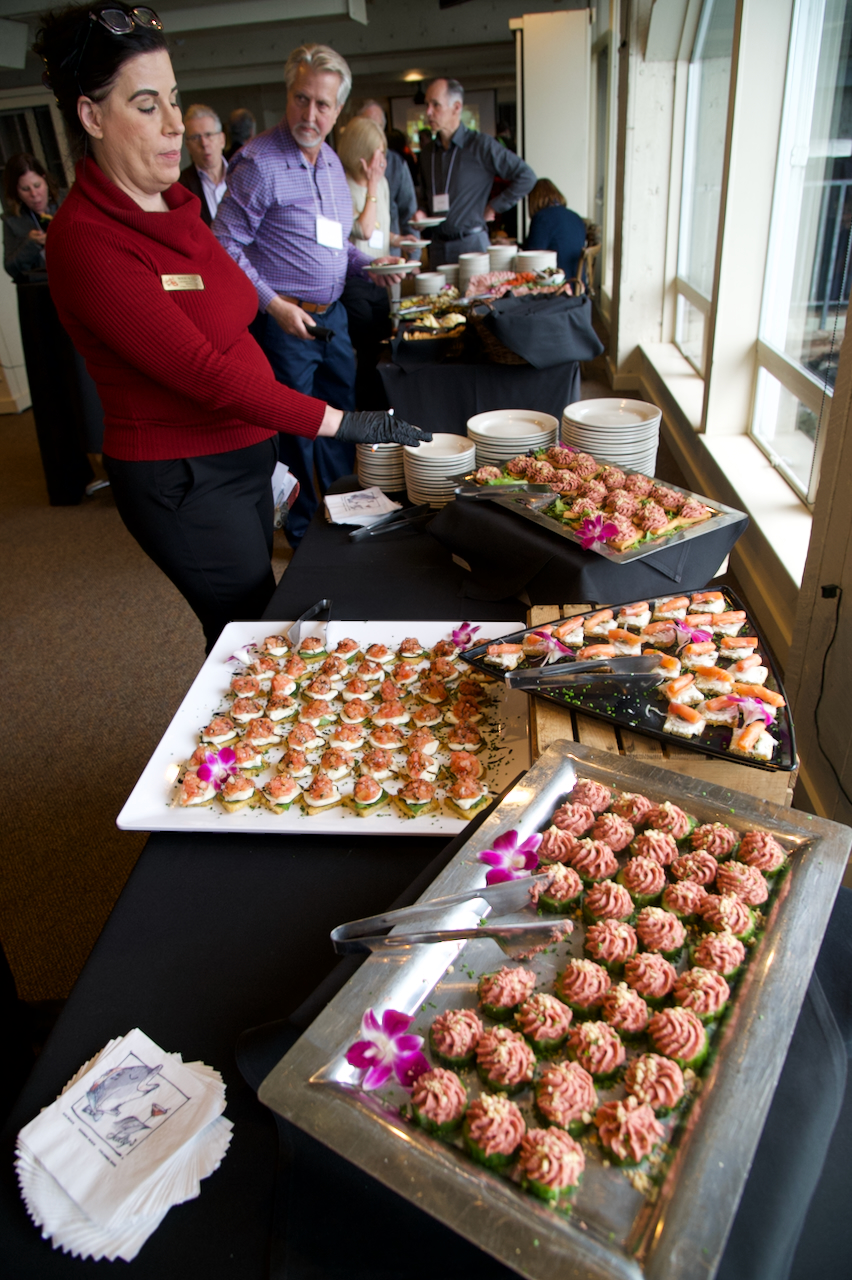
point(429, 282)
point(624, 432)
point(504, 433)
point(380, 466)
point(431, 468)
point(470, 265)
point(534, 259)
point(501, 256)
point(451, 271)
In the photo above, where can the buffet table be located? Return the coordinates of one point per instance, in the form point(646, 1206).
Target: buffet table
point(445, 403)
point(213, 935)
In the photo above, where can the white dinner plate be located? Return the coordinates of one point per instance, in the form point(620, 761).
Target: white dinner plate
point(394, 268)
point(428, 222)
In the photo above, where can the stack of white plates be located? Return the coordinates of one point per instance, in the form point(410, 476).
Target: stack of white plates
point(624, 432)
point(380, 466)
point(429, 282)
point(429, 468)
point(534, 259)
point(501, 256)
point(451, 271)
point(504, 433)
point(470, 265)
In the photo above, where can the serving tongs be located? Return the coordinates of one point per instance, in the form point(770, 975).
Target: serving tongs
point(294, 633)
point(481, 493)
point(393, 521)
point(638, 672)
point(516, 940)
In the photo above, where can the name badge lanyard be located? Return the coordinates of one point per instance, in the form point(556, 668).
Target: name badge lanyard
point(329, 231)
point(441, 201)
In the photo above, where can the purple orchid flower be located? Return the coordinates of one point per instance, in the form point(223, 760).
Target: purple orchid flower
point(552, 648)
point(510, 860)
point(753, 709)
point(218, 767)
point(246, 655)
point(385, 1048)
point(686, 635)
point(463, 635)
point(596, 529)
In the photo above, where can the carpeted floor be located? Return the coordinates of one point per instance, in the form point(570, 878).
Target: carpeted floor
point(100, 649)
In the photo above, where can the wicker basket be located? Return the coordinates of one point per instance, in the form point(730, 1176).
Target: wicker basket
point(494, 349)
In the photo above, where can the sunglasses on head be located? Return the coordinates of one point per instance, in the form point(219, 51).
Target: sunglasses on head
point(121, 22)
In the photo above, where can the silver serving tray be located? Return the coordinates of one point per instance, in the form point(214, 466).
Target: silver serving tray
point(532, 508)
point(613, 1231)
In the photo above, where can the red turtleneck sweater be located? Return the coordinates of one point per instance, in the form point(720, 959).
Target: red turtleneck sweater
point(178, 373)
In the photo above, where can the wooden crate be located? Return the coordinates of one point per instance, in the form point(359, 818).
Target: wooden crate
point(550, 723)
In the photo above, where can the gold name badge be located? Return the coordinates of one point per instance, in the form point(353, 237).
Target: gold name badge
point(172, 283)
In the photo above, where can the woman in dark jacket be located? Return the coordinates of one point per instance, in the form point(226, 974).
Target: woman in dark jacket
point(66, 408)
point(553, 226)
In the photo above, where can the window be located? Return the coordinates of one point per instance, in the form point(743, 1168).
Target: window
point(806, 294)
point(703, 165)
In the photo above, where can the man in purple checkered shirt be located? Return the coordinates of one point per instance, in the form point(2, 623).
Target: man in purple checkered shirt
point(286, 220)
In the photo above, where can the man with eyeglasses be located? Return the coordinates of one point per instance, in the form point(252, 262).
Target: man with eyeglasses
point(286, 220)
point(206, 177)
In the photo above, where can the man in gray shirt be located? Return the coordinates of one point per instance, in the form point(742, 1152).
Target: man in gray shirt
point(458, 174)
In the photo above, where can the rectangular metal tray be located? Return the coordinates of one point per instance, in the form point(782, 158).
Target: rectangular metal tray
point(639, 709)
point(532, 508)
point(613, 1232)
point(150, 806)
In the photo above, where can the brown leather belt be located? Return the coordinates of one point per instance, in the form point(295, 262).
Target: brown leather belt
point(316, 308)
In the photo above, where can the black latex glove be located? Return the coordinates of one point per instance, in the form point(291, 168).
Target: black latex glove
point(373, 426)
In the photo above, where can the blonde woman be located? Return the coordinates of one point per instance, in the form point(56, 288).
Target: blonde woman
point(362, 149)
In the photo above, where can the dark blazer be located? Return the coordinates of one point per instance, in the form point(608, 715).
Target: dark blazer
point(189, 178)
point(22, 256)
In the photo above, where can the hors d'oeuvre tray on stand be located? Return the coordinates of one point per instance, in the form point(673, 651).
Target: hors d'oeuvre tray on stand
point(667, 1211)
point(224, 760)
point(714, 687)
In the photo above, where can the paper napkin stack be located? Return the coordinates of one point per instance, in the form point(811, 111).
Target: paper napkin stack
point(132, 1133)
point(363, 507)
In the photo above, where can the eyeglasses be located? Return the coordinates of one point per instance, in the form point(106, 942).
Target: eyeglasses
point(202, 137)
point(121, 23)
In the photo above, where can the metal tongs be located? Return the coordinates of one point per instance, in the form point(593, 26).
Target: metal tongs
point(294, 633)
point(481, 493)
point(639, 672)
point(516, 940)
point(393, 521)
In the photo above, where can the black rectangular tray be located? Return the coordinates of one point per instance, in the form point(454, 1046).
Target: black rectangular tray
point(640, 709)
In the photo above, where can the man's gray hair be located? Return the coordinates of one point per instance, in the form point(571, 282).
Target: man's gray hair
point(197, 110)
point(319, 57)
point(455, 90)
point(371, 102)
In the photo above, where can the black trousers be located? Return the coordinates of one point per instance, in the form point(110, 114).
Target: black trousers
point(65, 402)
point(207, 523)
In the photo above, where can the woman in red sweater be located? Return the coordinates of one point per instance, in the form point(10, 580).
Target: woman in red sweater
point(159, 310)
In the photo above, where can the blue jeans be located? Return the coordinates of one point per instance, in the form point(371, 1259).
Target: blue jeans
point(322, 369)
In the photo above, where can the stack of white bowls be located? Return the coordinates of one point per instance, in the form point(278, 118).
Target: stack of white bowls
point(451, 271)
point(380, 466)
point(534, 259)
point(624, 432)
point(470, 265)
point(430, 468)
point(501, 256)
point(429, 282)
point(504, 433)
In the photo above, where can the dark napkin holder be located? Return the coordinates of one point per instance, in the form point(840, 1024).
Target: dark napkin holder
point(511, 556)
point(545, 331)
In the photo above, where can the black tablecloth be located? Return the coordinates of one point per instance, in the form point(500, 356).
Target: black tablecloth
point(509, 554)
point(216, 934)
point(441, 397)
